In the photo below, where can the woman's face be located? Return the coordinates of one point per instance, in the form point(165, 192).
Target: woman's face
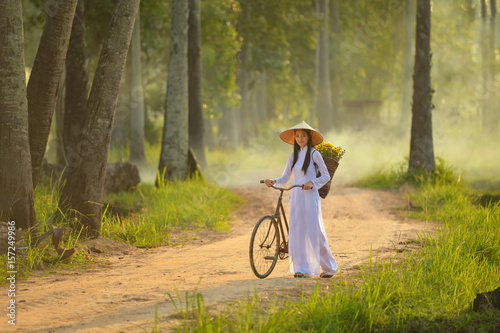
point(301, 137)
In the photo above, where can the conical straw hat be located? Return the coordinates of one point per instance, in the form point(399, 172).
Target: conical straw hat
point(289, 135)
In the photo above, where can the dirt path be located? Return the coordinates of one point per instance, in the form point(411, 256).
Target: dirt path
point(123, 295)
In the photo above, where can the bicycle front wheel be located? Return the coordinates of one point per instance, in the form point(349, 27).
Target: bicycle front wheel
point(264, 246)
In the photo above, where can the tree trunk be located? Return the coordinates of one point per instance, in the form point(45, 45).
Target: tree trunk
point(77, 88)
point(491, 117)
point(175, 142)
point(243, 81)
point(489, 106)
point(196, 119)
point(85, 181)
point(421, 144)
point(16, 194)
point(254, 110)
point(494, 69)
point(137, 137)
point(485, 107)
point(228, 127)
point(470, 10)
point(261, 96)
point(253, 119)
point(323, 101)
point(209, 138)
point(244, 115)
point(60, 157)
point(121, 122)
point(334, 14)
point(46, 77)
point(336, 86)
point(404, 119)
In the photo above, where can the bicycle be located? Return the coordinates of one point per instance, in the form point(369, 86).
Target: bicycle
point(265, 245)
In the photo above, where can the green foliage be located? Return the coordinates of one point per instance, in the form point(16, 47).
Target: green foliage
point(290, 67)
point(219, 54)
point(366, 48)
point(366, 52)
point(155, 46)
point(155, 29)
point(263, 26)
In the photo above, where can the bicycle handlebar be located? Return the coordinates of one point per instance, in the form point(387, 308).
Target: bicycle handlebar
point(282, 188)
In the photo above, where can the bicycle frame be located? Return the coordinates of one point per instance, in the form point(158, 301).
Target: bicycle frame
point(265, 243)
point(277, 216)
point(280, 211)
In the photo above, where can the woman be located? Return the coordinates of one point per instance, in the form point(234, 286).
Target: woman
point(308, 245)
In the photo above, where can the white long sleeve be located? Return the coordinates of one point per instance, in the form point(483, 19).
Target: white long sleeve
point(287, 173)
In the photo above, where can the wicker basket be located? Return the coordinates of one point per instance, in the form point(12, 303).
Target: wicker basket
point(331, 165)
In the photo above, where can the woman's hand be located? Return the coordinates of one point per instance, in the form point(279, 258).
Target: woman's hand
point(270, 182)
point(308, 185)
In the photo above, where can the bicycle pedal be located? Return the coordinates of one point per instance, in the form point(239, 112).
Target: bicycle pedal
point(269, 257)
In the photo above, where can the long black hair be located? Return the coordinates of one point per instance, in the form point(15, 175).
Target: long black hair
point(296, 149)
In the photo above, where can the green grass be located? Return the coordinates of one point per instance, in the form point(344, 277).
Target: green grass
point(398, 175)
point(488, 198)
point(149, 215)
point(430, 289)
point(29, 259)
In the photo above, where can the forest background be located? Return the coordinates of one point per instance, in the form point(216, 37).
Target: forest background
point(258, 77)
point(263, 69)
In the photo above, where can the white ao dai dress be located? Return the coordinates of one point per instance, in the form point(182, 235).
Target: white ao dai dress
point(308, 247)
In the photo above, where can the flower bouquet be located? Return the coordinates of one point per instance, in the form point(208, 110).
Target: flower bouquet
point(331, 156)
point(326, 149)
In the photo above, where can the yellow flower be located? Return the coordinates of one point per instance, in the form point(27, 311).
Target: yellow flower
point(329, 150)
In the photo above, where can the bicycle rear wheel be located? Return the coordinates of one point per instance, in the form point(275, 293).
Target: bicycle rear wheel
point(264, 246)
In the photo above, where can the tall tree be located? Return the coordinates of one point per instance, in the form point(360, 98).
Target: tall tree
point(46, 77)
point(175, 142)
point(244, 114)
point(137, 152)
point(77, 87)
point(421, 144)
point(243, 77)
point(485, 107)
point(495, 114)
point(322, 100)
point(16, 195)
point(196, 119)
point(490, 108)
point(261, 96)
point(228, 128)
point(59, 119)
point(404, 119)
point(335, 68)
point(84, 187)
